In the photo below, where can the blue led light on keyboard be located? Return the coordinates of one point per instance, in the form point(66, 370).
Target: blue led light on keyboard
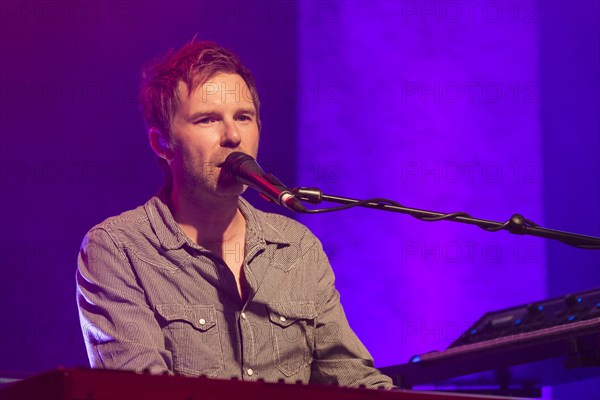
point(473, 331)
point(518, 322)
point(571, 318)
point(415, 359)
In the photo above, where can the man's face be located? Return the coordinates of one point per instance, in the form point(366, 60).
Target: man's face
point(217, 119)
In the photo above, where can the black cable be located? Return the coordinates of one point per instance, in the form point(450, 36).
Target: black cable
point(356, 204)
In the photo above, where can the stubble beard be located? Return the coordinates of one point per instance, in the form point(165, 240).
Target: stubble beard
point(209, 183)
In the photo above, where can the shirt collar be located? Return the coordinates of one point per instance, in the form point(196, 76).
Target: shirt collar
point(258, 225)
point(258, 229)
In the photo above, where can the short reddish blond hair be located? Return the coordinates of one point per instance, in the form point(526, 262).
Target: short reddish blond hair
point(194, 64)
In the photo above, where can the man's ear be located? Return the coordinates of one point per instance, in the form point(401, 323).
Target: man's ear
point(159, 144)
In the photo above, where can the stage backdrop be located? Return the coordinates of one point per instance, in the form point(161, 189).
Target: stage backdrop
point(485, 107)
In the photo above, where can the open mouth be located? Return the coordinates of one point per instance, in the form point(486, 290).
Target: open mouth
point(225, 173)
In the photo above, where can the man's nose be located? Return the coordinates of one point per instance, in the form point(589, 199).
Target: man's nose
point(231, 135)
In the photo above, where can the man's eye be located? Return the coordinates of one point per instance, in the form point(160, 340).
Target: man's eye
point(244, 118)
point(204, 121)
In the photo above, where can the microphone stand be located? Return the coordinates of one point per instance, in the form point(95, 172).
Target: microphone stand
point(517, 224)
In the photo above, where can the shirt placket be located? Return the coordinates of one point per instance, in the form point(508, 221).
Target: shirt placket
point(247, 321)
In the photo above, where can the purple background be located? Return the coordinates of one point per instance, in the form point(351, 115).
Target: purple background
point(484, 107)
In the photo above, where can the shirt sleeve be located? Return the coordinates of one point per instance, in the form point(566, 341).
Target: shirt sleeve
point(339, 357)
point(119, 328)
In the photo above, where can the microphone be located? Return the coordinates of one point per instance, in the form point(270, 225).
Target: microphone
point(246, 170)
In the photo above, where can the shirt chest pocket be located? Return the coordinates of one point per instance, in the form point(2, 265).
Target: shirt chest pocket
point(192, 335)
point(292, 334)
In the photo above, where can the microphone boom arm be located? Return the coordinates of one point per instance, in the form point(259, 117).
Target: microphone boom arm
point(517, 224)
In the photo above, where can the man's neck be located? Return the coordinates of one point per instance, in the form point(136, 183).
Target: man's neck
point(208, 222)
point(218, 226)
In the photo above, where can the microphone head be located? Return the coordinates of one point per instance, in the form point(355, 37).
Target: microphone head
point(246, 170)
point(242, 167)
point(233, 161)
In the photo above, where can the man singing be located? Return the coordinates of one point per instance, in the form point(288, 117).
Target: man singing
point(196, 281)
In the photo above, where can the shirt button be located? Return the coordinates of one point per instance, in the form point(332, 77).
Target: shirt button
point(250, 372)
point(282, 318)
point(202, 321)
point(243, 315)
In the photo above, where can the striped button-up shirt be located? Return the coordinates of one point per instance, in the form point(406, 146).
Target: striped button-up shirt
point(151, 299)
